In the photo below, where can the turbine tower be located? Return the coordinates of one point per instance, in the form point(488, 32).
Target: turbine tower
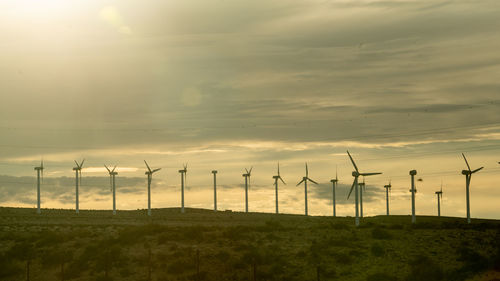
point(413, 190)
point(355, 185)
point(387, 190)
point(468, 175)
point(215, 189)
point(361, 190)
point(439, 198)
point(183, 173)
point(305, 179)
point(150, 173)
point(276, 178)
point(334, 186)
point(78, 181)
point(112, 175)
point(39, 171)
point(247, 183)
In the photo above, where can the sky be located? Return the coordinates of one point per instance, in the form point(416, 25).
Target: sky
point(228, 85)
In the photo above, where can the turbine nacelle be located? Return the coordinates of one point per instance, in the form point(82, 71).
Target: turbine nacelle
point(214, 172)
point(413, 172)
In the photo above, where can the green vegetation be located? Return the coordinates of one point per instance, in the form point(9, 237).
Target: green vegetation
point(203, 245)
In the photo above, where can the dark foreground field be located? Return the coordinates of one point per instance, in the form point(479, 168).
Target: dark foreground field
point(203, 245)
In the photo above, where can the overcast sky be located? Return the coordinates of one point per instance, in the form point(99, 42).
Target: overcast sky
point(232, 84)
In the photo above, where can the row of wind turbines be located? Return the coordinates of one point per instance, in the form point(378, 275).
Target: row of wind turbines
point(357, 187)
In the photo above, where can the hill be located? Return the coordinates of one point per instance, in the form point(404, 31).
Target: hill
point(207, 245)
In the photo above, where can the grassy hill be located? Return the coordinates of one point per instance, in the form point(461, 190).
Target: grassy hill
point(204, 245)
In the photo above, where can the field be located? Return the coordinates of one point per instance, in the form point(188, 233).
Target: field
point(207, 245)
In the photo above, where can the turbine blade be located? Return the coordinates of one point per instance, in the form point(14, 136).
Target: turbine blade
point(250, 172)
point(466, 161)
point(477, 170)
point(336, 173)
point(369, 174)
point(107, 168)
point(246, 170)
point(352, 188)
point(307, 171)
point(278, 169)
point(155, 170)
point(76, 164)
point(149, 169)
point(312, 181)
point(113, 168)
point(281, 180)
point(352, 160)
point(300, 182)
point(81, 164)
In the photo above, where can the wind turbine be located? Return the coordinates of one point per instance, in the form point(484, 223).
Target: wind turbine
point(439, 198)
point(468, 174)
point(215, 189)
point(413, 190)
point(305, 179)
point(39, 171)
point(276, 178)
point(247, 183)
point(149, 173)
point(361, 190)
point(334, 186)
point(387, 190)
point(183, 173)
point(355, 185)
point(78, 181)
point(112, 175)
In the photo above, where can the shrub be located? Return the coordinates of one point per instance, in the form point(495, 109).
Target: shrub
point(343, 258)
point(8, 268)
point(381, 277)
point(381, 234)
point(377, 250)
point(424, 269)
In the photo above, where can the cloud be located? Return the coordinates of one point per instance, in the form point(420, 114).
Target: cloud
point(62, 189)
point(112, 16)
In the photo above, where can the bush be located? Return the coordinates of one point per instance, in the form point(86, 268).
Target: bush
point(377, 250)
point(381, 277)
point(381, 234)
point(343, 258)
point(473, 261)
point(8, 268)
point(424, 269)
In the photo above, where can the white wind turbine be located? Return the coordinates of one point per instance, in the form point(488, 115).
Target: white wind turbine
point(413, 190)
point(439, 198)
point(355, 185)
point(305, 179)
point(183, 173)
point(247, 183)
point(276, 178)
point(39, 171)
point(78, 182)
point(215, 189)
point(149, 173)
point(334, 186)
point(468, 175)
point(387, 190)
point(112, 175)
point(362, 188)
